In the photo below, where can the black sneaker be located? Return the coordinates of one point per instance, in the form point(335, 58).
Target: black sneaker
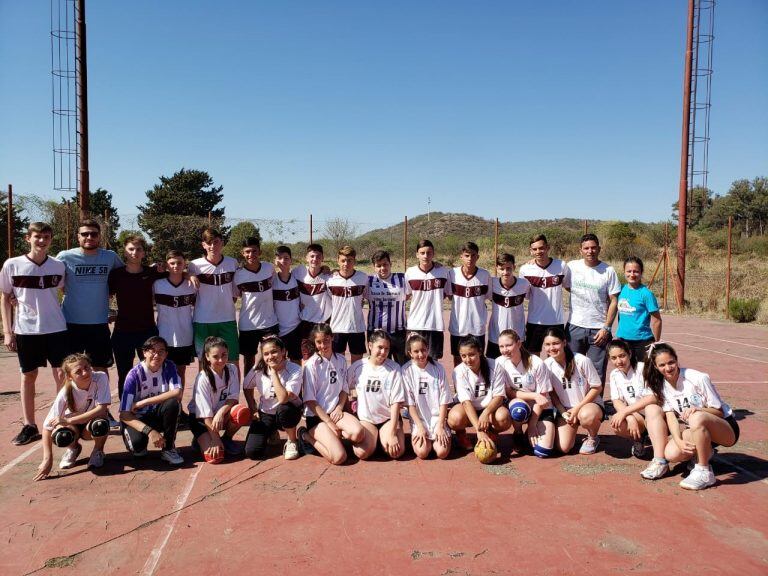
point(29, 433)
point(304, 446)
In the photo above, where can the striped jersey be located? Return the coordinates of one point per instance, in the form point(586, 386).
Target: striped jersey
point(315, 302)
point(285, 297)
point(256, 309)
point(545, 304)
point(507, 310)
point(217, 290)
point(347, 302)
point(386, 300)
point(36, 290)
point(142, 383)
point(469, 315)
point(427, 290)
point(174, 311)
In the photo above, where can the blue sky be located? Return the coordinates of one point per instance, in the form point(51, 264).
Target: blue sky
point(516, 110)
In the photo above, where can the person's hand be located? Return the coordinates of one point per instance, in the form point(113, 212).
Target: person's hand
point(442, 436)
point(484, 422)
point(9, 340)
point(418, 434)
point(688, 412)
point(194, 282)
point(533, 437)
point(484, 438)
point(157, 439)
point(218, 421)
point(686, 447)
point(603, 336)
point(137, 406)
point(394, 445)
point(333, 428)
point(541, 400)
point(617, 419)
point(336, 414)
point(44, 469)
point(569, 417)
point(216, 450)
point(634, 429)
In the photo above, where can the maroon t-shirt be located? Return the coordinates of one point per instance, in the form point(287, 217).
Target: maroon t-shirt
point(135, 304)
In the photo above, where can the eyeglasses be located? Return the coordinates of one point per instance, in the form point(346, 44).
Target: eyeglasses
point(89, 234)
point(153, 352)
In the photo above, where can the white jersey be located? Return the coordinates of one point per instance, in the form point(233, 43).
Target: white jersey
point(208, 399)
point(347, 302)
point(472, 387)
point(545, 304)
point(36, 290)
point(386, 300)
point(427, 390)
point(378, 388)
point(629, 387)
point(537, 378)
point(469, 315)
point(507, 310)
point(175, 305)
point(693, 388)
point(324, 381)
point(215, 297)
point(591, 289)
point(427, 290)
point(572, 391)
point(257, 311)
point(290, 377)
point(313, 293)
point(96, 394)
point(285, 296)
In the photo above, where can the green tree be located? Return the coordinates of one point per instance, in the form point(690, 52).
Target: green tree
point(621, 240)
point(237, 235)
point(178, 210)
point(746, 202)
point(19, 223)
point(701, 200)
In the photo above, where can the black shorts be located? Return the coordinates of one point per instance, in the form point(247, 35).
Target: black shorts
point(548, 415)
point(435, 340)
point(182, 355)
point(197, 426)
point(492, 350)
point(249, 340)
point(456, 339)
point(94, 340)
point(355, 340)
point(534, 336)
point(35, 350)
point(292, 341)
point(306, 327)
point(734, 426)
point(312, 421)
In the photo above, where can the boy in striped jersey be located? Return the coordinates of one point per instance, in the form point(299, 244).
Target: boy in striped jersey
point(386, 299)
point(470, 287)
point(348, 287)
point(285, 294)
point(313, 295)
point(39, 331)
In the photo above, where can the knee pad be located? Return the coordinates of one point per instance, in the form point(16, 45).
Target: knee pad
point(542, 452)
point(63, 437)
point(98, 427)
point(519, 411)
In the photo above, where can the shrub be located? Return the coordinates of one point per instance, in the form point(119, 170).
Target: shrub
point(744, 309)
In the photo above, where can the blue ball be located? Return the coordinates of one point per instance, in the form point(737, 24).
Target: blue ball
point(519, 410)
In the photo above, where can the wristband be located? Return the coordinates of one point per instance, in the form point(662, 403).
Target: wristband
point(607, 328)
point(147, 429)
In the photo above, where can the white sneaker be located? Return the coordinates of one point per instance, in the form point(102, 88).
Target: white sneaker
point(655, 470)
point(590, 444)
point(97, 459)
point(70, 456)
point(698, 479)
point(172, 457)
point(291, 450)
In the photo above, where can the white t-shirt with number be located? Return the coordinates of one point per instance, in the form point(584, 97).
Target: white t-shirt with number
point(507, 310)
point(591, 290)
point(469, 315)
point(175, 306)
point(572, 391)
point(257, 310)
point(472, 387)
point(378, 387)
point(36, 289)
point(215, 296)
point(426, 390)
point(629, 387)
point(290, 377)
point(208, 399)
point(545, 305)
point(96, 394)
point(347, 296)
point(285, 296)
point(537, 378)
point(313, 294)
point(427, 291)
point(693, 388)
point(324, 380)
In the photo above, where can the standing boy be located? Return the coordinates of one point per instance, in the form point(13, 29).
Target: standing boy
point(470, 289)
point(285, 294)
point(547, 276)
point(39, 331)
point(313, 294)
point(508, 292)
point(347, 288)
point(386, 298)
point(257, 311)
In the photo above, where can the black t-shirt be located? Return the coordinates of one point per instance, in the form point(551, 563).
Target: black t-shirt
point(135, 304)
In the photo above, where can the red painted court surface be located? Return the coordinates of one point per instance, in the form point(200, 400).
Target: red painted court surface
point(568, 515)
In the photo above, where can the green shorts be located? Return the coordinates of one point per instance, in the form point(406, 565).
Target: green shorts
point(225, 330)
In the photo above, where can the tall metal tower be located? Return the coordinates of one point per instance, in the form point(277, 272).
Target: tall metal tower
point(69, 88)
point(697, 103)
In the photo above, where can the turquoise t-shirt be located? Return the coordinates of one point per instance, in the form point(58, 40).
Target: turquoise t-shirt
point(635, 309)
point(86, 296)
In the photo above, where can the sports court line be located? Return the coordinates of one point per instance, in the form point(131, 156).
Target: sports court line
point(742, 381)
point(720, 459)
point(721, 340)
point(718, 352)
point(20, 458)
point(157, 551)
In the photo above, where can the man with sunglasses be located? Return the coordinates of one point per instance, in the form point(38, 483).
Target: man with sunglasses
point(86, 295)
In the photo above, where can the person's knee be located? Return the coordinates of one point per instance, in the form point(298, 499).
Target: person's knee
point(98, 427)
point(697, 421)
point(357, 435)
point(337, 456)
point(255, 447)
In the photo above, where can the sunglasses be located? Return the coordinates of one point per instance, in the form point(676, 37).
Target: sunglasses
point(89, 234)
